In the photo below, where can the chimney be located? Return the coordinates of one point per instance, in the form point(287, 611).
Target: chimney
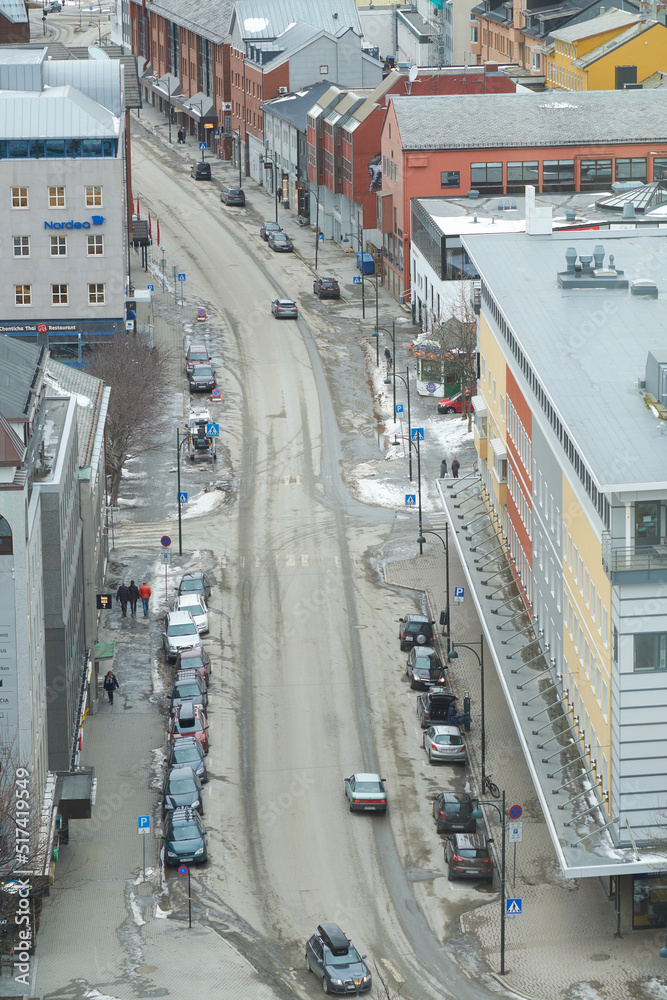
point(598, 255)
point(570, 257)
point(539, 221)
point(629, 211)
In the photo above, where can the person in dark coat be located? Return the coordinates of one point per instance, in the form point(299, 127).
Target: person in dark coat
point(456, 465)
point(110, 685)
point(123, 596)
point(134, 597)
point(388, 358)
point(443, 468)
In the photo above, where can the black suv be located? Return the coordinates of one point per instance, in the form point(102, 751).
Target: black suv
point(415, 629)
point(452, 813)
point(330, 955)
point(433, 707)
point(190, 685)
point(467, 856)
point(201, 171)
point(326, 288)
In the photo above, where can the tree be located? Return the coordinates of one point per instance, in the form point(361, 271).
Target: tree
point(137, 375)
point(457, 336)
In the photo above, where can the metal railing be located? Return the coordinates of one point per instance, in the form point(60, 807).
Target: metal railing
point(633, 558)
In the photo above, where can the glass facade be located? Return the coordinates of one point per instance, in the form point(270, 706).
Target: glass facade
point(595, 175)
point(631, 169)
point(520, 173)
point(38, 149)
point(558, 175)
point(649, 901)
point(487, 177)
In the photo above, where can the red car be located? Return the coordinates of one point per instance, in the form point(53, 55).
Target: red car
point(454, 404)
point(189, 720)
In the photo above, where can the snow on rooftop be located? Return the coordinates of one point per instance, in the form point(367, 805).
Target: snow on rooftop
point(255, 24)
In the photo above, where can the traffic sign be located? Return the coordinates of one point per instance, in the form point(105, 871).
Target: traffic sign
point(143, 824)
point(216, 394)
point(212, 430)
point(459, 594)
point(356, 280)
point(410, 499)
point(515, 812)
point(166, 557)
point(183, 870)
point(321, 239)
point(515, 833)
point(150, 288)
point(217, 133)
point(202, 145)
point(182, 498)
point(399, 407)
point(417, 433)
point(431, 387)
point(166, 541)
point(513, 907)
point(181, 276)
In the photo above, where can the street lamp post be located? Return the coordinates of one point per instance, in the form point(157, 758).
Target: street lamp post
point(453, 655)
point(163, 251)
point(478, 814)
point(415, 444)
point(406, 382)
point(240, 181)
point(169, 104)
point(445, 543)
point(376, 335)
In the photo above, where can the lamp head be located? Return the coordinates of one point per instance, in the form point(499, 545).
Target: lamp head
point(387, 381)
point(477, 814)
point(421, 540)
point(452, 655)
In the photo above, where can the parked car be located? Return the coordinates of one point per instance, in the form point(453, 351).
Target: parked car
point(188, 720)
point(184, 838)
point(332, 957)
point(326, 288)
point(201, 171)
point(433, 707)
point(269, 227)
point(366, 793)
point(454, 404)
point(195, 659)
point(189, 685)
point(201, 378)
point(284, 309)
point(467, 855)
point(187, 750)
point(280, 242)
point(182, 788)
point(445, 744)
point(452, 813)
point(232, 194)
point(415, 629)
point(52, 7)
point(179, 632)
point(424, 667)
point(196, 605)
point(197, 583)
point(196, 354)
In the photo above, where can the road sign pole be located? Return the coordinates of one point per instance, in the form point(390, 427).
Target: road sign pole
point(502, 895)
point(178, 487)
point(189, 903)
point(514, 870)
point(144, 843)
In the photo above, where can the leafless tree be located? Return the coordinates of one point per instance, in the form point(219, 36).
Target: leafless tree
point(457, 336)
point(383, 990)
point(138, 376)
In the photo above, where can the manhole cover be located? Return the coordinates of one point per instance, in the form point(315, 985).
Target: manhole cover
point(600, 957)
point(143, 969)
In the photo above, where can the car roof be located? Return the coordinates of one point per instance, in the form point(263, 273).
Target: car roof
point(179, 617)
point(198, 347)
point(195, 575)
point(418, 618)
point(180, 770)
point(184, 742)
point(186, 674)
point(445, 730)
point(470, 840)
point(456, 797)
point(334, 937)
point(191, 595)
point(423, 651)
point(286, 302)
point(367, 777)
point(183, 815)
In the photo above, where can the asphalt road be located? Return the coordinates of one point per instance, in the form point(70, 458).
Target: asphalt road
point(311, 679)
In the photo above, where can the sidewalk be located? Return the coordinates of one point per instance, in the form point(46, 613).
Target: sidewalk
point(564, 944)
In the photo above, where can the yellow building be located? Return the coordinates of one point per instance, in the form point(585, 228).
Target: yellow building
point(606, 52)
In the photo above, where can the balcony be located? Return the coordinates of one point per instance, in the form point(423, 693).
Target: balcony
point(628, 564)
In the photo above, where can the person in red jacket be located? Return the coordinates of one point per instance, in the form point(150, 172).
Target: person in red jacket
point(144, 594)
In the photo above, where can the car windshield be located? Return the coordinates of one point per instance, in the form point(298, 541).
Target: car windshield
point(447, 740)
point(348, 958)
point(472, 852)
point(192, 662)
point(191, 726)
point(198, 356)
point(272, 227)
point(185, 831)
point(329, 282)
point(415, 627)
point(189, 690)
point(194, 609)
point(452, 807)
point(185, 755)
point(279, 236)
point(286, 303)
point(187, 628)
point(203, 371)
point(191, 584)
point(180, 786)
point(367, 786)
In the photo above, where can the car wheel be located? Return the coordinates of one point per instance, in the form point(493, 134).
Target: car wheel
point(412, 685)
point(351, 808)
point(450, 409)
point(450, 876)
point(308, 968)
point(325, 985)
point(430, 758)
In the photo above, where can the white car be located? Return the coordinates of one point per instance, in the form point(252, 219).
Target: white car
point(196, 605)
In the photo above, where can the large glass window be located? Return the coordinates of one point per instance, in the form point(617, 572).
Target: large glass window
point(487, 177)
point(631, 169)
point(558, 175)
point(457, 262)
point(520, 173)
point(649, 901)
point(450, 179)
point(660, 168)
point(595, 175)
point(650, 652)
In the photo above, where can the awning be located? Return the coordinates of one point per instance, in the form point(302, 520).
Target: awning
point(499, 449)
point(104, 650)
point(478, 405)
point(200, 107)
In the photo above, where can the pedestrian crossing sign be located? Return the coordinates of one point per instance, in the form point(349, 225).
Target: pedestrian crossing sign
point(513, 907)
point(410, 499)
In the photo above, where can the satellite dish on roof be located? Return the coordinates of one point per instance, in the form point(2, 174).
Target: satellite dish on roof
point(413, 74)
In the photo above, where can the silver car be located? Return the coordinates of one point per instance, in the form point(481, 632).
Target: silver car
point(445, 744)
point(178, 633)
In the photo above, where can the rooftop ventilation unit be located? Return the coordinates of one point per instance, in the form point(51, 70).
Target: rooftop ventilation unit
point(644, 286)
point(589, 270)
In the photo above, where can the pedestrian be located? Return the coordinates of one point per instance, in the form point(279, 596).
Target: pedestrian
point(123, 595)
point(134, 597)
point(456, 465)
point(144, 594)
point(110, 685)
point(389, 359)
point(443, 468)
point(179, 136)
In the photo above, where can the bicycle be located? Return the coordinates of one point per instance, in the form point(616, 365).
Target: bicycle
point(490, 786)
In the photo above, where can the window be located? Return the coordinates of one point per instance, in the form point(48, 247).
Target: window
point(605, 626)
point(19, 197)
point(487, 177)
point(324, 70)
point(474, 33)
point(6, 546)
point(631, 169)
point(95, 294)
point(21, 246)
point(95, 246)
point(520, 173)
point(650, 652)
point(59, 295)
point(536, 63)
point(56, 197)
point(450, 179)
point(93, 196)
point(558, 175)
point(659, 168)
point(58, 246)
point(595, 175)
point(22, 295)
